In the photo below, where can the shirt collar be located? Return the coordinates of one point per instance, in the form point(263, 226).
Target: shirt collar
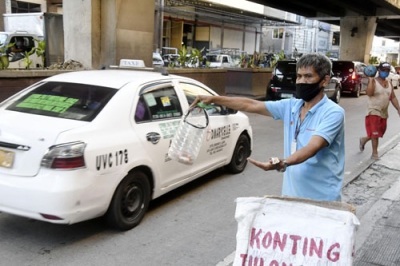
point(299, 103)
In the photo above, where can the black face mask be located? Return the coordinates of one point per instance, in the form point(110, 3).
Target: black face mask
point(307, 91)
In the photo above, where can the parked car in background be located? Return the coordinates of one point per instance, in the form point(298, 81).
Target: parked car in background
point(394, 77)
point(95, 143)
point(157, 60)
point(220, 60)
point(23, 42)
point(351, 75)
point(170, 56)
point(171, 59)
point(283, 83)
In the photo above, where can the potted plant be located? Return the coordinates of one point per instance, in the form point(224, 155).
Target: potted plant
point(4, 60)
point(40, 50)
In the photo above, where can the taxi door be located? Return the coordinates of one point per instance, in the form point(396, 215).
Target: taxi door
point(158, 112)
point(217, 139)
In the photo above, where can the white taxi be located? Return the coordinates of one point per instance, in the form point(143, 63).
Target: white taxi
point(94, 143)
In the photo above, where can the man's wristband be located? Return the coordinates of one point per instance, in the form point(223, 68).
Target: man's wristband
point(276, 161)
point(283, 169)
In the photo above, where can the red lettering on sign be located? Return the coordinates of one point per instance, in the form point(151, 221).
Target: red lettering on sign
point(244, 257)
point(255, 237)
point(305, 246)
point(294, 246)
point(314, 248)
point(336, 254)
point(309, 246)
point(267, 240)
point(278, 241)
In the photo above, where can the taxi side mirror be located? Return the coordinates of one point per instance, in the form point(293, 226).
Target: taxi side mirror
point(228, 111)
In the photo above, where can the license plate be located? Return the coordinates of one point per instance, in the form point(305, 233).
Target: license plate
point(286, 95)
point(6, 158)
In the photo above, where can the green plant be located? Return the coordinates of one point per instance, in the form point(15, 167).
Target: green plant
point(4, 60)
point(242, 60)
point(183, 58)
point(27, 60)
point(194, 58)
point(277, 57)
point(255, 62)
point(40, 50)
point(373, 60)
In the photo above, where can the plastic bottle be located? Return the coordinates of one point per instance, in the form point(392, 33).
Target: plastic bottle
point(189, 136)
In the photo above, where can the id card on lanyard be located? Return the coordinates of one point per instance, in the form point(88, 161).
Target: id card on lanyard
point(293, 147)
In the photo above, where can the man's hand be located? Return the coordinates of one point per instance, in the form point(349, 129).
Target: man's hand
point(201, 98)
point(266, 166)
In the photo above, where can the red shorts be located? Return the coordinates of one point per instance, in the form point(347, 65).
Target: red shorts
point(375, 126)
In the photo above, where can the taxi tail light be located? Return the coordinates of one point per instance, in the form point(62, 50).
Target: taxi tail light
point(353, 76)
point(67, 156)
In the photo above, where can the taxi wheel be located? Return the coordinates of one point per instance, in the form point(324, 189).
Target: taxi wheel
point(240, 154)
point(130, 201)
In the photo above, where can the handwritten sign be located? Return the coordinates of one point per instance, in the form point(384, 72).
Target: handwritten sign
point(274, 232)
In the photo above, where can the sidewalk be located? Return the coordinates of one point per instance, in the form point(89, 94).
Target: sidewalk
point(376, 195)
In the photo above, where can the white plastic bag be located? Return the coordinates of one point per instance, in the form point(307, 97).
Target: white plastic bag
point(276, 232)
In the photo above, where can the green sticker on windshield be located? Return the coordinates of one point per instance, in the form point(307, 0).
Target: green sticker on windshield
point(51, 103)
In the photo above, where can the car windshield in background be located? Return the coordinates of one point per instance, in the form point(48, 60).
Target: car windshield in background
point(286, 68)
point(212, 58)
point(343, 67)
point(3, 38)
point(64, 100)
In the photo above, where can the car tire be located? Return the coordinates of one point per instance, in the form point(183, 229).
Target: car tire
point(239, 157)
point(336, 99)
point(356, 93)
point(130, 201)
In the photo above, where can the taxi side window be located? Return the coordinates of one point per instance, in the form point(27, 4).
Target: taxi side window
point(160, 103)
point(192, 90)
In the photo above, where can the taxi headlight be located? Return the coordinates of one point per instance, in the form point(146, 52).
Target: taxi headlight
point(65, 156)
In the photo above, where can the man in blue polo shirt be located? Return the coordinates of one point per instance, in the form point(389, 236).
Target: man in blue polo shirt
point(313, 132)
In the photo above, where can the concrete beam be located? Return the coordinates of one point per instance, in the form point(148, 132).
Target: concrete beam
point(356, 37)
point(108, 31)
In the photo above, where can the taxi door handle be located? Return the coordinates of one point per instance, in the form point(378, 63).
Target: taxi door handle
point(153, 137)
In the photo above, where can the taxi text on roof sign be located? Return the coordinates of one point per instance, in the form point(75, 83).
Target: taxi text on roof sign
point(131, 63)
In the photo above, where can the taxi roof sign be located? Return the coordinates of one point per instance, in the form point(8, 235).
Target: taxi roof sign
point(131, 63)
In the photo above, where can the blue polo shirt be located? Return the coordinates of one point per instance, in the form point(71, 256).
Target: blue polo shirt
point(321, 176)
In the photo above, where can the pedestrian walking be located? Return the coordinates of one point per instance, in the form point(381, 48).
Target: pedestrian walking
point(380, 93)
point(313, 132)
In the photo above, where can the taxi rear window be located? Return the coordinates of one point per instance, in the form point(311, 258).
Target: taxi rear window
point(64, 100)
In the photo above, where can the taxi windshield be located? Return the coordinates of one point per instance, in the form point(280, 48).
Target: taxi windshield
point(64, 100)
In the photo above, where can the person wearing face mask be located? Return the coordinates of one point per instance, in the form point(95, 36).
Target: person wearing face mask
point(313, 163)
point(381, 93)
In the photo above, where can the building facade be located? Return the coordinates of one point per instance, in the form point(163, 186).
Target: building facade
point(212, 25)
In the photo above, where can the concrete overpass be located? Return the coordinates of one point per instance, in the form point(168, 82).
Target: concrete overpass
point(359, 21)
point(386, 12)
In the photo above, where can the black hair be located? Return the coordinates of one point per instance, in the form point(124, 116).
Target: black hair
point(322, 65)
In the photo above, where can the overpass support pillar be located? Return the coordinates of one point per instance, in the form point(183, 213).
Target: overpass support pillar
point(356, 37)
point(103, 32)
